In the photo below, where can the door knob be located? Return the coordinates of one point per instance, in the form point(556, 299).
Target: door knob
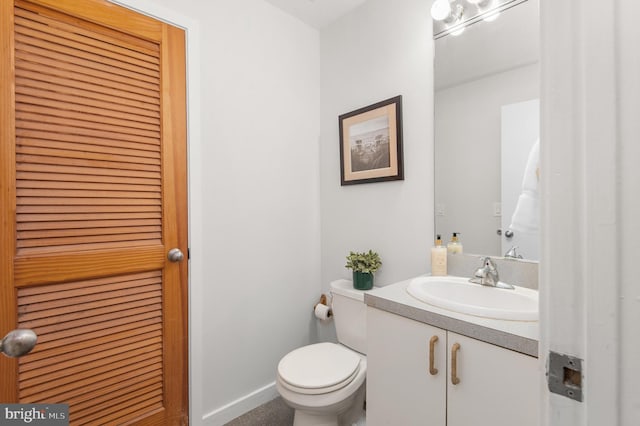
point(18, 342)
point(508, 233)
point(175, 255)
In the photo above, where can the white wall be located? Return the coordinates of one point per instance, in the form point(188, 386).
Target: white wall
point(254, 195)
point(261, 209)
point(467, 128)
point(382, 49)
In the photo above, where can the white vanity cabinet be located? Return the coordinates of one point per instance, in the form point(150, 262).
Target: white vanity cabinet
point(400, 389)
point(496, 387)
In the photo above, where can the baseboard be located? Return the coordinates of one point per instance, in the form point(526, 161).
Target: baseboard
point(240, 406)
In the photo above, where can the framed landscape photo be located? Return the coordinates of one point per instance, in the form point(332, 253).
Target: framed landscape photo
point(371, 143)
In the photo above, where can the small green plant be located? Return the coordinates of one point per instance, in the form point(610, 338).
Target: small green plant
point(363, 262)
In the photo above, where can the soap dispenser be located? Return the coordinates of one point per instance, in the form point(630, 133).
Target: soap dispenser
point(454, 246)
point(438, 258)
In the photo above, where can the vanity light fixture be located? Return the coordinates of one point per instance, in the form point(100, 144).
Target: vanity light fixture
point(480, 3)
point(492, 16)
point(486, 8)
point(441, 10)
point(453, 16)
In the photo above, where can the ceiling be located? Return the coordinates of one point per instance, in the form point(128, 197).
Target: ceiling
point(317, 13)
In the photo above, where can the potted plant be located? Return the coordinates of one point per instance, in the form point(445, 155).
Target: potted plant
point(363, 266)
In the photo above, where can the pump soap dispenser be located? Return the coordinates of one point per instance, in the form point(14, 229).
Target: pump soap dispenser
point(438, 259)
point(454, 246)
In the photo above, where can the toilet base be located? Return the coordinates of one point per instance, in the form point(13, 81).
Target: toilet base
point(354, 415)
point(304, 418)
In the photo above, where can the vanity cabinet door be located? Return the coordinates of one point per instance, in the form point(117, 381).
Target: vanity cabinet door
point(496, 387)
point(401, 390)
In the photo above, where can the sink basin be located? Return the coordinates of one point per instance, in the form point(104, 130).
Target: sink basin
point(459, 295)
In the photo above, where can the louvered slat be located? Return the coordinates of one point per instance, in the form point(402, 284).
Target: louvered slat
point(33, 96)
point(44, 156)
point(91, 186)
point(134, 314)
point(103, 352)
point(69, 374)
point(102, 404)
point(128, 222)
point(142, 76)
point(87, 105)
point(87, 84)
point(98, 32)
point(26, 61)
point(70, 42)
point(37, 176)
point(83, 118)
point(35, 113)
point(126, 411)
point(86, 383)
point(144, 383)
point(54, 169)
point(74, 351)
point(46, 125)
point(99, 346)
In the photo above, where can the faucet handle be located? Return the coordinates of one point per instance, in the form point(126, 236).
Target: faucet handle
point(487, 262)
point(512, 253)
point(492, 270)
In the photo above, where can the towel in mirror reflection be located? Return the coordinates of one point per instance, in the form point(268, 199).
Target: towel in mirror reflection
point(526, 217)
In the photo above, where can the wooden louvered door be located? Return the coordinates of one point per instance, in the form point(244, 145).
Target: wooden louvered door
point(93, 195)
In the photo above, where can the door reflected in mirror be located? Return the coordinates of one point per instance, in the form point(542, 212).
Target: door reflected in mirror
point(487, 84)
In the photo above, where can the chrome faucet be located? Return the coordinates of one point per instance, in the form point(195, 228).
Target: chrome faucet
point(512, 253)
point(487, 275)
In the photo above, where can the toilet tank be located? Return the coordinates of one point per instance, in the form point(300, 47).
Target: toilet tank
point(349, 315)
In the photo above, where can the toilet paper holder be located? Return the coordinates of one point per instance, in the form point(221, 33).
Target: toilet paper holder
point(323, 301)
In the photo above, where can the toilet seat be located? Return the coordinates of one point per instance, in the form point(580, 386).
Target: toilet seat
point(319, 368)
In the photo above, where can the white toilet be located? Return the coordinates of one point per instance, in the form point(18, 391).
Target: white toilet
point(325, 382)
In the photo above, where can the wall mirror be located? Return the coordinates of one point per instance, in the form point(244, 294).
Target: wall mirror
point(487, 85)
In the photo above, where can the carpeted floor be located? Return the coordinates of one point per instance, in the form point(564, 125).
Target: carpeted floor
point(273, 413)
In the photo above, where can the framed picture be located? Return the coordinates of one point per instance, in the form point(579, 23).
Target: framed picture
point(371, 143)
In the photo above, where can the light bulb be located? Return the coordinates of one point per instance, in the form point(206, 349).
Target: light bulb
point(440, 10)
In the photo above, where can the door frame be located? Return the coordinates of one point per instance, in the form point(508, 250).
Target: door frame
point(586, 99)
point(194, 189)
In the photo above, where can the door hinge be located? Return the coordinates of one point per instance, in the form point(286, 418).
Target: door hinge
point(565, 376)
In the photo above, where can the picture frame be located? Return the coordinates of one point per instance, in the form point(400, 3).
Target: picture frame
point(371, 143)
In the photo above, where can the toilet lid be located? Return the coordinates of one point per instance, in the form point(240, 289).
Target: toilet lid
point(320, 366)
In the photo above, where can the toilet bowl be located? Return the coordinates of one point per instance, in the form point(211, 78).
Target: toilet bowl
point(330, 389)
point(325, 382)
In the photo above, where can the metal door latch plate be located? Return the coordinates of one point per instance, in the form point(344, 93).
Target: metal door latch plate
point(564, 375)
